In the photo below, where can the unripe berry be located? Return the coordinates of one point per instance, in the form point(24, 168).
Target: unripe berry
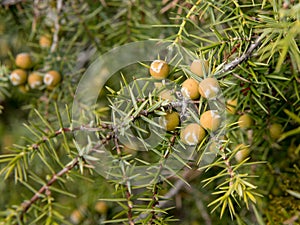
point(163, 92)
point(159, 69)
point(35, 80)
point(243, 152)
point(18, 77)
point(192, 134)
point(101, 207)
point(190, 88)
point(24, 61)
point(52, 78)
point(170, 121)
point(76, 216)
point(209, 88)
point(45, 41)
point(167, 95)
point(245, 121)
point(231, 106)
point(275, 130)
point(210, 120)
point(199, 67)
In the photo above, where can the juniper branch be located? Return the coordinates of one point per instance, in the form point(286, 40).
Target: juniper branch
point(26, 205)
point(230, 66)
point(65, 130)
point(129, 204)
point(45, 188)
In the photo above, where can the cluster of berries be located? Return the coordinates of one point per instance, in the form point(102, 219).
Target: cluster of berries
point(208, 88)
point(25, 75)
point(245, 122)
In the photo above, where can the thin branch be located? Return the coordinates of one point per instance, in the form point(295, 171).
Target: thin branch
point(154, 203)
point(201, 207)
point(179, 184)
point(228, 165)
point(54, 45)
point(182, 25)
point(169, 6)
point(230, 66)
point(36, 14)
point(293, 219)
point(26, 205)
point(130, 205)
point(67, 129)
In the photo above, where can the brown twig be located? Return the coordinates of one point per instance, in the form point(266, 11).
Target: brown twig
point(230, 66)
point(129, 204)
point(228, 165)
point(59, 4)
point(154, 203)
point(36, 14)
point(26, 205)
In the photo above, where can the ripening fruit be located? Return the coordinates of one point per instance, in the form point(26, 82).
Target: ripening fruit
point(209, 88)
point(18, 77)
point(275, 130)
point(245, 121)
point(199, 67)
point(45, 41)
point(192, 134)
point(24, 61)
point(159, 69)
point(101, 207)
point(170, 121)
point(52, 78)
point(243, 152)
point(190, 88)
point(35, 80)
point(167, 95)
point(164, 93)
point(76, 216)
point(231, 106)
point(210, 120)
